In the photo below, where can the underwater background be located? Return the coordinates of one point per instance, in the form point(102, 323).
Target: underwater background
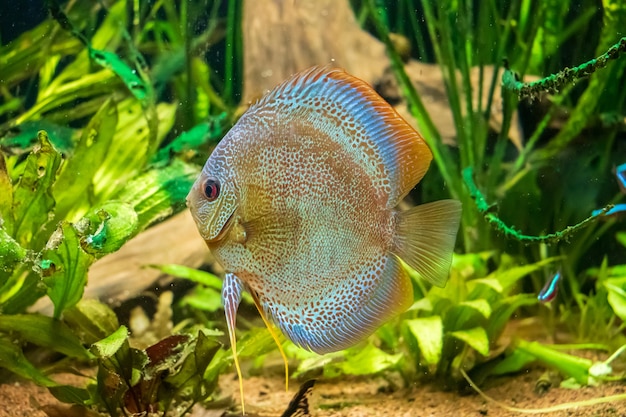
point(110, 300)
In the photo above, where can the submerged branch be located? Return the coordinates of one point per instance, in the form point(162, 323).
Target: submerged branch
point(486, 210)
point(554, 82)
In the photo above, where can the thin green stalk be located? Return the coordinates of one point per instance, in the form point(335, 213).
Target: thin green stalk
point(498, 58)
point(230, 46)
point(417, 33)
point(442, 43)
point(441, 154)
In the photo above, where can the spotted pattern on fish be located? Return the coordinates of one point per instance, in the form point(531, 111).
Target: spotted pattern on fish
point(306, 220)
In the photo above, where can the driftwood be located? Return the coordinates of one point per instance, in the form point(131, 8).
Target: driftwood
point(281, 37)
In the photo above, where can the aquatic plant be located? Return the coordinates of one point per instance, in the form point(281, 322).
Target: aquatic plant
point(89, 161)
point(125, 97)
point(553, 214)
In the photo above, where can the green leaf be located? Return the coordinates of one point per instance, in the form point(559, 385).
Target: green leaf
point(423, 304)
point(6, 202)
point(32, 197)
point(73, 189)
point(514, 362)
point(367, 361)
point(23, 137)
point(11, 253)
point(205, 350)
point(109, 346)
point(621, 238)
point(492, 283)
point(111, 225)
point(91, 320)
point(141, 90)
point(511, 275)
point(475, 338)
point(572, 366)
point(616, 288)
point(64, 267)
point(201, 277)
point(428, 332)
point(503, 310)
point(70, 395)
point(12, 358)
point(46, 332)
point(156, 194)
point(482, 306)
point(130, 148)
point(192, 139)
point(206, 299)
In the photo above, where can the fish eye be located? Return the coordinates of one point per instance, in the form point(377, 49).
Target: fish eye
point(211, 189)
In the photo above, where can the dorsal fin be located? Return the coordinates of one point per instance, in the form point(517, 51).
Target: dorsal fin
point(348, 109)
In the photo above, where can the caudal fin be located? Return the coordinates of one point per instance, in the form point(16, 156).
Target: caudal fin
point(425, 237)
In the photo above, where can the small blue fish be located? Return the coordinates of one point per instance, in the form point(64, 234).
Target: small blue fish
point(551, 289)
point(620, 173)
point(615, 211)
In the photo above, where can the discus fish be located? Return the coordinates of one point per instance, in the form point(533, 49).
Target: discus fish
point(298, 204)
point(550, 289)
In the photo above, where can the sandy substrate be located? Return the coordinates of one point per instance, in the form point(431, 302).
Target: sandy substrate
point(355, 397)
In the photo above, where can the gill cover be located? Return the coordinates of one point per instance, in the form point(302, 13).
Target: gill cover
point(212, 213)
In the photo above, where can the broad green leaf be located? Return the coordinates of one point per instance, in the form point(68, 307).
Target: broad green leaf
point(621, 238)
point(312, 362)
point(157, 193)
point(367, 361)
point(194, 138)
point(22, 138)
point(192, 274)
point(64, 267)
point(205, 350)
point(141, 90)
point(475, 338)
point(130, 149)
point(6, 202)
point(32, 198)
point(510, 276)
point(12, 358)
point(109, 346)
point(482, 306)
point(73, 189)
point(257, 341)
point(428, 332)
point(206, 299)
point(616, 288)
point(110, 226)
point(10, 253)
point(70, 395)
point(488, 282)
point(46, 332)
point(573, 366)
point(91, 320)
point(504, 309)
point(423, 304)
point(514, 362)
